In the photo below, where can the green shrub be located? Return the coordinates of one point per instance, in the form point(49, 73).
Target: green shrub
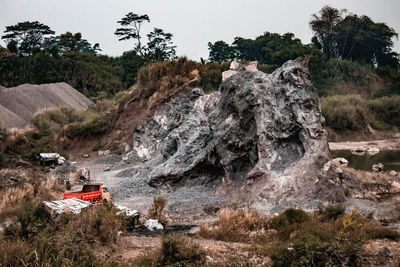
point(345, 112)
point(289, 217)
point(211, 76)
point(380, 232)
point(343, 77)
point(386, 109)
point(332, 211)
point(33, 218)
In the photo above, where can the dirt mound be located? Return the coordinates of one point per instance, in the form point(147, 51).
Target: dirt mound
point(10, 120)
point(24, 101)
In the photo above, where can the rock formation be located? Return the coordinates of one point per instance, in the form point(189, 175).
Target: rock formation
point(258, 139)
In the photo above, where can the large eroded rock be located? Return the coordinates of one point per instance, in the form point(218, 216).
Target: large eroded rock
point(258, 139)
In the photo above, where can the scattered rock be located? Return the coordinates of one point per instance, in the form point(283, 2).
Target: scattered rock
point(359, 151)
point(385, 251)
point(396, 186)
point(153, 225)
point(127, 147)
point(127, 211)
point(106, 169)
point(327, 166)
point(340, 162)
point(60, 160)
point(109, 159)
point(393, 173)
point(377, 167)
point(100, 153)
point(106, 152)
point(84, 174)
point(85, 155)
point(339, 171)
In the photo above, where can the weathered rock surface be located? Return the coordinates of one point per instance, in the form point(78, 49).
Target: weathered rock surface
point(258, 139)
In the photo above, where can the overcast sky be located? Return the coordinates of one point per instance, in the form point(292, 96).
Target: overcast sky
point(193, 23)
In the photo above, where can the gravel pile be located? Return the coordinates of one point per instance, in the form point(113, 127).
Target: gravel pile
point(109, 159)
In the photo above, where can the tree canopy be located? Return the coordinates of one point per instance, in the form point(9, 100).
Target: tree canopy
point(160, 46)
point(269, 48)
point(27, 36)
point(354, 37)
point(221, 52)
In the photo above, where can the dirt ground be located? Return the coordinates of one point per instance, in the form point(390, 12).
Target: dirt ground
point(385, 144)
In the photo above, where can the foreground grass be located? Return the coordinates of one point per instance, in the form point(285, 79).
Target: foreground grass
point(295, 238)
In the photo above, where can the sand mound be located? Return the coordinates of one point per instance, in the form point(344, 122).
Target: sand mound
point(24, 101)
point(9, 119)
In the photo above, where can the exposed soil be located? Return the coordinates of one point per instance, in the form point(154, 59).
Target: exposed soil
point(385, 144)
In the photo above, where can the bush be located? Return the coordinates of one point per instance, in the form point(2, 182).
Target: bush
point(164, 77)
point(380, 232)
point(345, 112)
point(386, 109)
point(33, 219)
point(211, 76)
point(344, 77)
point(31, 186)
point(98, 223)
point(180, 250)
point(332, 211)
point(234, 226)
point(289, 217)
point(156, 210)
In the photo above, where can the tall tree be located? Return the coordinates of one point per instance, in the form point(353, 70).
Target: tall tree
point(28, 35)
point(221, 52)
point(160, 46)
point(361, 39)
point(325, 29)
point(132, 24)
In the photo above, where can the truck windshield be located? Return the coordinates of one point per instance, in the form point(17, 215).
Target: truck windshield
point(87, 188)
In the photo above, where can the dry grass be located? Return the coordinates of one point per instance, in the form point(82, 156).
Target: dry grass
point(99, 223)
point(38, 240)
point(175, 250)
point(331, 238)
point(156, 210)
point(370, 177)
point(237, 225)
point(30, 186)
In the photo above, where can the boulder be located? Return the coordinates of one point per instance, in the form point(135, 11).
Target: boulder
point(258, 139)
point(359, 151)
point(340, 162)
point(377, 167)
point(153, 225)
point(393, 173)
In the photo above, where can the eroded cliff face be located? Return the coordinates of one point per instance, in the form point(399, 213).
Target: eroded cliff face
point(258, 139)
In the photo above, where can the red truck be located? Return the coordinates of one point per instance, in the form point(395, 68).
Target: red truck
point(94, 193)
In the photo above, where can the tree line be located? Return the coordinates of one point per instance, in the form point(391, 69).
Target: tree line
point(34, 54)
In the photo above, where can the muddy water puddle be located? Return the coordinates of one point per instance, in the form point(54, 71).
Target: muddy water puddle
point(389, 158)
